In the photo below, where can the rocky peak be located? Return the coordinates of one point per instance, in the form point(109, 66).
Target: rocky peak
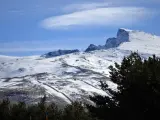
point(123, 35)
point(92, 47)
point(59, 53)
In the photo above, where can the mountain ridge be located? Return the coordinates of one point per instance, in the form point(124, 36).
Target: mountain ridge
point(74, 75)
point(59, 53)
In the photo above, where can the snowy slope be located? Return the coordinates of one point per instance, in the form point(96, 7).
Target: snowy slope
point(142, 42)
point(70, 77)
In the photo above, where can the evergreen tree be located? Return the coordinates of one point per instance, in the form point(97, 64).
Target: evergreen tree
point(42, 111)
point(19, 111)
point(5, 110)
point(53, 112)
point(138, 95)
point(76, 111)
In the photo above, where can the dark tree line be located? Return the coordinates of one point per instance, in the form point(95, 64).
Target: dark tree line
point(137, 97)
point(42, 111)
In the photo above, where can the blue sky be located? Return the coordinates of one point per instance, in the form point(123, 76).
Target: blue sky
point(30, 27)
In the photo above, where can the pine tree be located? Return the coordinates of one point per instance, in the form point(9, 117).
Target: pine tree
point(53, 112)
point(76, 111)
point(19, 111)
point(138, 95)
point(5, 110)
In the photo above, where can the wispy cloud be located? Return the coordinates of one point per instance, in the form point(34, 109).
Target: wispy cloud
point(86, 6)
point(111, 16)
point(28, 46)
point(14, 11)
point(3, 50)
point(20, 46)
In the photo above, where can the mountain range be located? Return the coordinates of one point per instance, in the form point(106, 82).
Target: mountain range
point(71, 75)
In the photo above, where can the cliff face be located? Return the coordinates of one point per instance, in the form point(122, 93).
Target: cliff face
point(122, 36)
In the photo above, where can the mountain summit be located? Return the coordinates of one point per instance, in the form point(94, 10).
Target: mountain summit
point(122, 36)
point(131, 40)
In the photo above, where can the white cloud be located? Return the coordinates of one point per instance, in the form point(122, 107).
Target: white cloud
point(86, 6)
point(112, 16)
point(29, 46)
point(12, 50)
point(46, 45)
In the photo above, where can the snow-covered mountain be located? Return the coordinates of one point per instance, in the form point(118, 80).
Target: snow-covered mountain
point(68, 77)
point(131, 40)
